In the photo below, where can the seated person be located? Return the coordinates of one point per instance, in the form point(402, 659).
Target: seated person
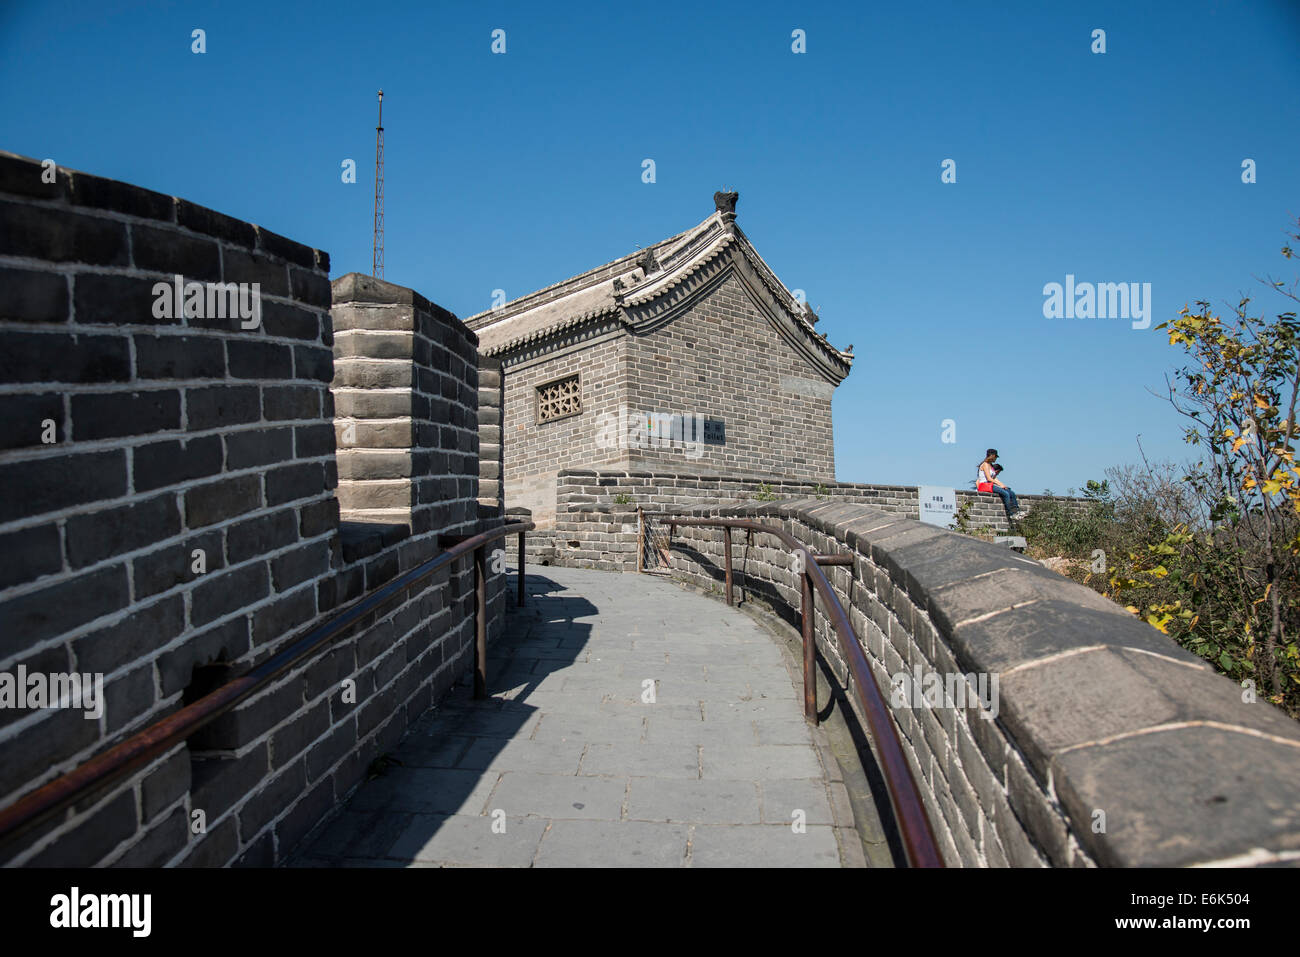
point(987, 481)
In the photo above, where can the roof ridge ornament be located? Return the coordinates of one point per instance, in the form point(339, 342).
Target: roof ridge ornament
point(726, 205)
point(648, 262)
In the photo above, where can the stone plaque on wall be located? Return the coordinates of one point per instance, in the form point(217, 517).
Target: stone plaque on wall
point(938, 505)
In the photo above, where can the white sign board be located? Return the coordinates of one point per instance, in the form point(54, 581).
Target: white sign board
point(938, 505)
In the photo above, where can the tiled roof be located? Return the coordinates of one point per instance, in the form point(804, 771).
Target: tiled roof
point(624, 284)
point(550, 317)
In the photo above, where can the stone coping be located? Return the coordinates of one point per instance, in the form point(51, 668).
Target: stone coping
point(21, 175)
point(355, 287)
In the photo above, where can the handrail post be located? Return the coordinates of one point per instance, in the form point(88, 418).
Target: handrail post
point(521, 570)
point(480, 622)
point(640, 540)
point(726, 550)
point(809, 651)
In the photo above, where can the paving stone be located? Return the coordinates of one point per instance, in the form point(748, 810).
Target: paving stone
point(469, 841)
point(560, 796)
point(425, 790)
point(693, 801)
point(676, 760)
point(783, 732)
point(612, 729)
point(781, 799)
point(555, 702)
point(443, 751)
point(358, 834)
point(761, 761)
point(676, 712)
point(666, 730)
point(493, 724)
point(522, 754)
point(613, 844)
point(763, 845)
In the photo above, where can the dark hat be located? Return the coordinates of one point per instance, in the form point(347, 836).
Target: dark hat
point(990, 452)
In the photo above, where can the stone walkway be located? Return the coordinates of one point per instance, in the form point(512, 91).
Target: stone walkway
point(632, 723)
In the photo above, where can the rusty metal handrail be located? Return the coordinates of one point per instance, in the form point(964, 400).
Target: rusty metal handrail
point(120, 760)
point(913, 822)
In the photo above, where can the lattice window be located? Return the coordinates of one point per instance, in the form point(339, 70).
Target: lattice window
point(558, 399)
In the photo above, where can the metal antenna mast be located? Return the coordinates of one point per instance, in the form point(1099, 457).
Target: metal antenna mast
point(377, 263)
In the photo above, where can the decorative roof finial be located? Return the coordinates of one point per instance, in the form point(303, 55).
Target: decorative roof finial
point(648, 262)
point(726, 204)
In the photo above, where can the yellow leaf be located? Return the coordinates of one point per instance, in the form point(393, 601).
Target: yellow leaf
point(1239, 443)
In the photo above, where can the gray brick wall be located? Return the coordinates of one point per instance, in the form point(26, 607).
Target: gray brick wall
point(1097, 753)
point(131, 444)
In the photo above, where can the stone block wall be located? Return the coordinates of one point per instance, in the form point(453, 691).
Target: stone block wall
point(406, 406)
point(169, 521)
point(1107, 745)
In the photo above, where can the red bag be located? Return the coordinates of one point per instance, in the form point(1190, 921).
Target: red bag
point(983, 486)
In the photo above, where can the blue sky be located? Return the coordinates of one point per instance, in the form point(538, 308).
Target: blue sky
point(515, 171)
